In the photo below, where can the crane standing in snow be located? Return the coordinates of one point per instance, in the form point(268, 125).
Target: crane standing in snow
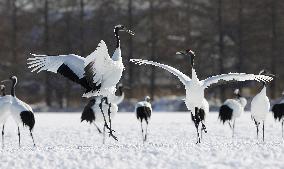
point(143, 111)
point(98, 73)
point(232, 109)
point(195, 88)
point(20, 111)
point(278, 112)
point(260, 106)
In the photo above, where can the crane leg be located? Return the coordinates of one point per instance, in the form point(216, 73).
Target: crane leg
point(104, 134)
point(196, 122)
point(257, 131)
point(145, 139)
point(230, 125)
point(3, 136)
point(32, 137)
point(234, 128)
point(19, 135)
point(111, 130)
point(201, 133)
point(198, 137)
point(256, 125)
point(263, 131)
point(142, 129)
point(203, 127)
point(99, 130)
point(105, 125)
point(282, 128)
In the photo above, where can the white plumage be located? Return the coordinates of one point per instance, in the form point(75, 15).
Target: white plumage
point(232, 109)
point(143, 104)
point(93, 75)
point(98, 73)
point(117, 99)
point(260, 106)
point(21, 112)
point(205, 107)
point(5, 102)
point(52, 63)
point(194, 87)
point(235, 106)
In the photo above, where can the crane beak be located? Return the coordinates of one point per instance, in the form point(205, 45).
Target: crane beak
point(130, 32)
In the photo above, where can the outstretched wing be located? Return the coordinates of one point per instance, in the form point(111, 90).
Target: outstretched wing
point(97, 64)
point(235, 76)
point(70, 66)
point(182, 77)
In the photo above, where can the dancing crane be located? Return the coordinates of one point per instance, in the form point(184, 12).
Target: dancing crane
point(195, 87)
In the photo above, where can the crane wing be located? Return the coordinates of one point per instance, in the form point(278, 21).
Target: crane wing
point(235, 76)
point(97, 64)
point(182, 77)
point(70, 66)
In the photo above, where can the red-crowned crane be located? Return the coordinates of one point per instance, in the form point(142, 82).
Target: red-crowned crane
point(232, 109)
point(143, 110)
point(21, 112)
point(98, 73)
point(260, 106)
point(195, 87)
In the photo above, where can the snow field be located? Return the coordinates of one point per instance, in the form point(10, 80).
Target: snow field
point(63, 142)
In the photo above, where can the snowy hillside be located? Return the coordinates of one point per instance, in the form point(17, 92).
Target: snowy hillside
point(63, 142)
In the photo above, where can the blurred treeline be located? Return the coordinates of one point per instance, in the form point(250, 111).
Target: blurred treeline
point(227, 36)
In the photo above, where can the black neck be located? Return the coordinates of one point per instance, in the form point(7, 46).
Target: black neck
point(238, 95)
point(13, 92)
point(117, 38)
point(192, 61)
point(3, 93)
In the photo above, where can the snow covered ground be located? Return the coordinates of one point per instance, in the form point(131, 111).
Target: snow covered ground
point(63, 142)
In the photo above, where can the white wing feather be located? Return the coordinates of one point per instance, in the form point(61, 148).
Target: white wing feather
point(52, 63)
point(143, 104)
point(235, 76)
point(101, 62)
point(182, 77)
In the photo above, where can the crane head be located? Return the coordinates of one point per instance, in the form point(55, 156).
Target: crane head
point(147, 98)
point(237, 93)
point(266, 73)
point(123, 28)
point(14, 79)
point(188, 52)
